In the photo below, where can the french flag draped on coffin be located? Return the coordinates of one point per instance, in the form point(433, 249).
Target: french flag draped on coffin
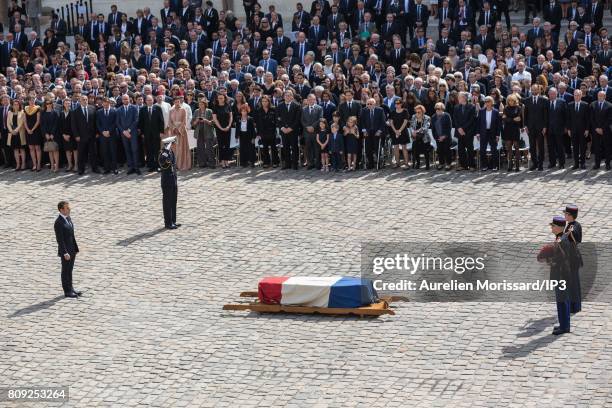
point(335, 292)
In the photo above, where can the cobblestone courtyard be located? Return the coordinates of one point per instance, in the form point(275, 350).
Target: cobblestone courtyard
point(149, 330)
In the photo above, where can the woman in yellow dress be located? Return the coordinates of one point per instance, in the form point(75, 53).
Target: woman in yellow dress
point(178, 128)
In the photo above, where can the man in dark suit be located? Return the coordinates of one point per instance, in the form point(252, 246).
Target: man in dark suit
point(535, 32)
point(553, 14)
point(288, 122)
point(536, 120)
point(33, 42)
point(127, 125)
point(114, 17)
point(6, 152)
point(489, 128)
point(487, 18)
point(83, 123)
point(390, 28)
point(349, 107)
point(316, 32)
point(596, 11)
point(420, 15)
point(464, 121)
point(21, 40)
point(106, 119)
point(601, 119)
point(151, 126)
point(578, 124)
point(372, 124)
point(334, 19)
point(557, 114)
point(60, 27)
point(67, 247)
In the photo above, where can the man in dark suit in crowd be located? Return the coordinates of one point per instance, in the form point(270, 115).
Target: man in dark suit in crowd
point(489, 128)
point(596, 11)
point(67, 247)
point(151, 126)
point(557, 114)
point(127, 125)
point(83, 125)
point(536, 120)
point(601, 119)
point(6, 153)
point(21, 40)
point(106, 119)
point(578, 124)
point(114, 17)
point(288, 122)
point(553, 14)
point(464, 120)
point(372, 124)
point(60, 27)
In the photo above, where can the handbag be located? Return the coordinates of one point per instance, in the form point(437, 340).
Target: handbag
point(50, 146)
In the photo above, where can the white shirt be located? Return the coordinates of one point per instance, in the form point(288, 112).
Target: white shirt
point(518, 76)
point(66, 219)
point(189, 114)
point(165, 107)
point(489, 115)
point(243, 125)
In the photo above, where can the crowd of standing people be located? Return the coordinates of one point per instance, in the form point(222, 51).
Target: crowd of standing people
point(346, 85)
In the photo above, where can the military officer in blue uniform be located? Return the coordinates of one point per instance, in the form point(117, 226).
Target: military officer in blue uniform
point(558, 256)
point(574, 231)
point(167, 164)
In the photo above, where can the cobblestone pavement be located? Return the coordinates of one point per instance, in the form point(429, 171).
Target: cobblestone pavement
point(149, 330)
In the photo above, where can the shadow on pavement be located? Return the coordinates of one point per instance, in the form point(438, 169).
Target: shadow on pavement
point(35, 308)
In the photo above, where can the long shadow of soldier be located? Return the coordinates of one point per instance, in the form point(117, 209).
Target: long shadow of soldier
point(532, 328)
point(138, 237)
point(35, 308)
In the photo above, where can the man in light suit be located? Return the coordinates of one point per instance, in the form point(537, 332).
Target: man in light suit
point(106, 119)
point(311, 115)
point(67, 247)
point(127, 125)
point(83, 124)
point(372, 123)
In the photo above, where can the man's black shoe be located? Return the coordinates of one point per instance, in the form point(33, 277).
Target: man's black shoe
point(80, 173)
point(541, 168)
point(137, 171)
point(106, 172)
point(596, 167)
point(551, 166)
point(607, 166)
point(171, 227)
point(71, 295)
point(583, 166)
point(115, 172)
point(575, 167)
point(177, 225)
point(562, 166)
point(96, 170)
point(131, 171)
point(532, 168)
point(558, 331)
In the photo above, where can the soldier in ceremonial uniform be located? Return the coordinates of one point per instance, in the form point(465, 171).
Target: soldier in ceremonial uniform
point(558, 256)
point(167, 164)
point(573, 229)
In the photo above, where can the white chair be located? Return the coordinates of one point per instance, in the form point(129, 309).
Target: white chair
point(234, 144)
point(524, 150)
point(193, 144)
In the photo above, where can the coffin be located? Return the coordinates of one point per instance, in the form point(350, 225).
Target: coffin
point(332, 292)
